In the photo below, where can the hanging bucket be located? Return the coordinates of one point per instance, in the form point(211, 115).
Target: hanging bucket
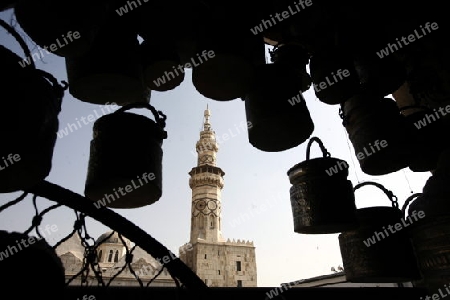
point(66, 28)
point(125, 164)
point(315, 184)
point(427, 130)
point(293, 55)
point(379, 76)
point(371, 253)
point(334, 77)
point(111, 72)
point(39, 260)
point(430, 236)
point(276, 110)
point(5, 5)
point(162, 66)
point(380, 135)
point(28, 141)
point(229, 71)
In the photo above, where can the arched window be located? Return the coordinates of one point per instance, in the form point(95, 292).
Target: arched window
point(213, 222)
point(100, 254)
point(110, 256)
point(201, 221)
point(116, 257)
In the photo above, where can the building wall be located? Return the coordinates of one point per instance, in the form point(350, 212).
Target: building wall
point(218, 263)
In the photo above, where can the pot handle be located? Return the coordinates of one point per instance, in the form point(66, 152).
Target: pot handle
point(21, 42)
point(388, 193)
point(322, 147)
point(160, 117)
point(407, 201)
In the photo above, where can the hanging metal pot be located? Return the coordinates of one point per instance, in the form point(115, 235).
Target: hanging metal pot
point(276, 109)
point(125, 164)
point(322, 197)
point(334, 77)
point(111, 71)
point(379, 76)
point(375, 251)
point(427, 129)
point(228, 71)
point(38, 258)
point(430, 235)
point(161, 66)
point(65, 28)
point(293, 55)
point(380, 135)
point(28, 121)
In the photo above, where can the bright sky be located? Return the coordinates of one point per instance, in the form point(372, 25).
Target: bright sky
point(254, 180)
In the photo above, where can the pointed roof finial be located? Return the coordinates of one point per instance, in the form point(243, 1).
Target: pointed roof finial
point(206, 124)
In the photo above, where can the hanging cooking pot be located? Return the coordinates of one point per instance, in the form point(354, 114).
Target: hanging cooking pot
point(295, 56)
point(111, 71)
point(28, 119)
point(40, 261)
point(380, 135)
point(161, 66)
point(65, 28)
point(379, 250)
point(334, 77)
point(222, 70)
point(125, 164)
point(7, 4)
point(380, 76)
point(430, 235)
point(322, 197)
point(276, 109)
point(427, 130)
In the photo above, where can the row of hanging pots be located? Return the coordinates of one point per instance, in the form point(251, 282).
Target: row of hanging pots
point(338, 75)
point(126, 154)
point(317, 210)
point(29, 119)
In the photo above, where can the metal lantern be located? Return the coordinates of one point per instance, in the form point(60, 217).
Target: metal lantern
point(125, 164)
point(375, 252)
point(322, 197)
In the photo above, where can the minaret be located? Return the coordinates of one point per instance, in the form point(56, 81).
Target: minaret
point(206, 183)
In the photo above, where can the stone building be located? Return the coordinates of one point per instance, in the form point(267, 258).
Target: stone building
point(219, 262)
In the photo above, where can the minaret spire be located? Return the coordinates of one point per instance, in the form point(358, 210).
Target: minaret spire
point(206, 183)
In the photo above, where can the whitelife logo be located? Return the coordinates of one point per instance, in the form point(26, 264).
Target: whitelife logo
point(169, 75)
point(53, 47)
point(266, 24)
point(128, 189)
point(429, 118)
point(391, 48)
point(378, 236)
point(131, 5)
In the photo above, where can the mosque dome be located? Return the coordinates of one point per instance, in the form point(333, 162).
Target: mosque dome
point(112, 237)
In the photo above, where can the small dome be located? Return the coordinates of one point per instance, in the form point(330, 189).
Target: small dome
point(112, 238)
